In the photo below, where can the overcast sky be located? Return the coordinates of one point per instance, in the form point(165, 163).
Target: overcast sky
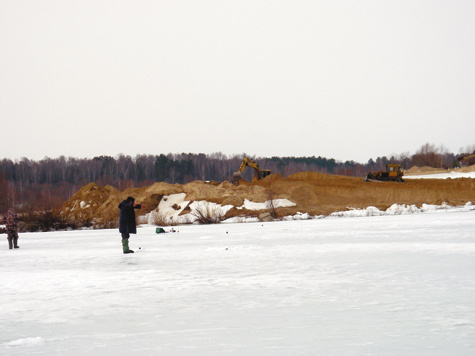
point(349, 80)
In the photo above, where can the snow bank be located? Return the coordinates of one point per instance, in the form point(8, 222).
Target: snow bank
point(395, 209)
point(276, 203)
point(241, 219)
point(402, 209)
point(204, 205)
point(171, 208)
point(301, 216)
point(451, 175)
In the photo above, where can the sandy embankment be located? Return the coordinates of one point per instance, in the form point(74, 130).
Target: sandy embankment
point(312, 193)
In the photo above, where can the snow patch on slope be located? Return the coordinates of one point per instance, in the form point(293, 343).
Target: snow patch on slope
point(451, 175)
point(276, 203)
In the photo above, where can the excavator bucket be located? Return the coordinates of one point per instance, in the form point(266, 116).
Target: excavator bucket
point(236, 178)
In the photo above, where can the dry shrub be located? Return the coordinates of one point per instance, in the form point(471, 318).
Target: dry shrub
point(208, 215)
point(270, 203)
point(160, 219)
point(108, 221)
point(45, 220)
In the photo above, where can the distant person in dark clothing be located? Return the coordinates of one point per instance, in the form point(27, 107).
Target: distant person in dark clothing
point(127, 224)
point(11, 225)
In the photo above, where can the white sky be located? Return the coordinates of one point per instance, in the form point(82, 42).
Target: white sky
point(350, 80)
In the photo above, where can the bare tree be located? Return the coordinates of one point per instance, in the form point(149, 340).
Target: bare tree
point(4, 196)
point(426, 156)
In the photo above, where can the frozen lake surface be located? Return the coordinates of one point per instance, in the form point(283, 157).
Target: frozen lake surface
point(392, 285)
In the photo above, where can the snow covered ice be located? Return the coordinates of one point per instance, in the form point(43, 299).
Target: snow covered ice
point(380, 285)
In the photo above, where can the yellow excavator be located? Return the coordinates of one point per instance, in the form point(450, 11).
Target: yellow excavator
point(258, 173)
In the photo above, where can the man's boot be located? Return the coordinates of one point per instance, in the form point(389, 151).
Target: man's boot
point(15, 242)
point(10, 245)
point(125, 246)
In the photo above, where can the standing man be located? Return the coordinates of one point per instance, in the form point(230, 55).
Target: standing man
point(11, 225)
point(127, 224)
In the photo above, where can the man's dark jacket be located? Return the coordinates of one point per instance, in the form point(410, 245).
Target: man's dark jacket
point(127, 217)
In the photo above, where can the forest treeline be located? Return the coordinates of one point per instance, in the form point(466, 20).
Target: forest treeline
point(51, 181)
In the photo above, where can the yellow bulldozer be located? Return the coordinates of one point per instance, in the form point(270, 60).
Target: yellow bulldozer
point(393, 173)
point(258, 172)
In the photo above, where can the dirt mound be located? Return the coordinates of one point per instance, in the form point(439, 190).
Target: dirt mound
point(414, 171)
point(304, 176)
point(466, 169)
point(312, 193)
point(89, 202)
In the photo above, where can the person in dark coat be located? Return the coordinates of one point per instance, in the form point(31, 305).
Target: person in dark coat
point(127, 224)
point(11, 225)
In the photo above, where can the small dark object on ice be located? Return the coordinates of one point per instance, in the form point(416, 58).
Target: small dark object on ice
point(140, 248)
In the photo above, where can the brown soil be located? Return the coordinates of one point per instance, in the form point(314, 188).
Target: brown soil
point(313, 193)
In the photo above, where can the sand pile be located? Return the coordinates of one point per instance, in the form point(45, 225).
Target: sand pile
point(414, 171)
point(312, 193)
